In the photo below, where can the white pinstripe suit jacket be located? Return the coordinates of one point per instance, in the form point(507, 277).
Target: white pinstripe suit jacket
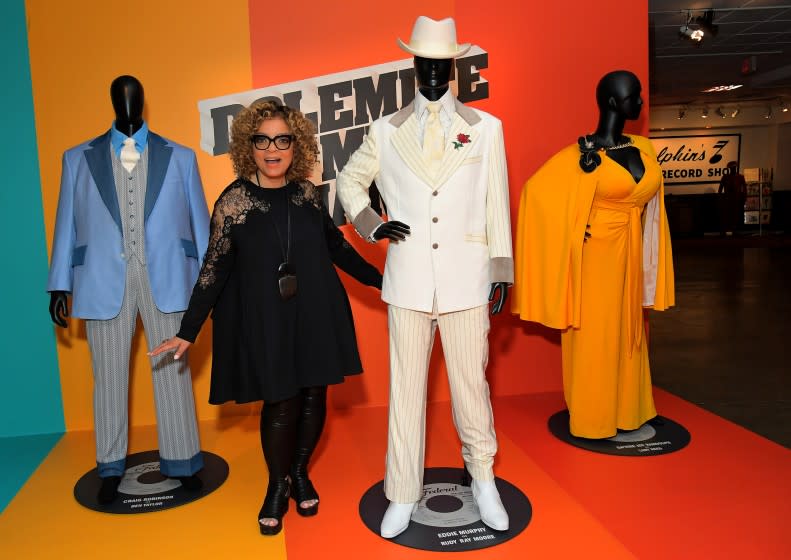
point(459, 216)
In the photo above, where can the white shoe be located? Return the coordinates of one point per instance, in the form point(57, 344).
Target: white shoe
point(396, 519)
point(487, 498)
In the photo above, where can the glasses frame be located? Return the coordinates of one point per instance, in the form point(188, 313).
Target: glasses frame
point(255, 139)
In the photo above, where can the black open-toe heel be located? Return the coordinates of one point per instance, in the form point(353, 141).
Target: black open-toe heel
point(302, 490)
point(275, 506)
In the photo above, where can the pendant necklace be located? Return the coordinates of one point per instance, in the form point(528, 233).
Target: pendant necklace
point(286, 275)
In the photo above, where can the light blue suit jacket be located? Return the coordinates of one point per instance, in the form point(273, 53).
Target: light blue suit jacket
point(88, 257)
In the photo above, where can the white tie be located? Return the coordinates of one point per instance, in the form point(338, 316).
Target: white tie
point(129, 155)
point(434, 135)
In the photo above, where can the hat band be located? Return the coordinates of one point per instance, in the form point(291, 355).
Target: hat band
point(432, 47)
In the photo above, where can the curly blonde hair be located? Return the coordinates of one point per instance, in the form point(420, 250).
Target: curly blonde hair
point(246, 123)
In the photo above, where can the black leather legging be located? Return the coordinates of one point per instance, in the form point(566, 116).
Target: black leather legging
point(290, 430)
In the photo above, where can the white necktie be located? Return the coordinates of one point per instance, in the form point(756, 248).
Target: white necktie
point(129, 155)
point(434, 135)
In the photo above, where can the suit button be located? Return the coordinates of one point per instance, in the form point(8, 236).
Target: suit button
point(435, 193)
point(435, 245)
point(435, 220)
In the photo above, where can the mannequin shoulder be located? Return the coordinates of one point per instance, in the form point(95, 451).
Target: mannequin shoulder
point(642, 143)
point(395, 119)
point(77, 151)
point(179, 150)
point(566, 155)
point(563, 163)
point(476, 117)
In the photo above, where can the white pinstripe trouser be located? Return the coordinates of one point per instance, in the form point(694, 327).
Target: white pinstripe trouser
point(110, 343)
point(466, 348)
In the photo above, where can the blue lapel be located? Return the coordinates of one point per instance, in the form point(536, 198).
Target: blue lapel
point(158, 161)
point(98, 158)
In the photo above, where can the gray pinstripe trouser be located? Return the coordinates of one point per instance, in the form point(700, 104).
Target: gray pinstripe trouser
point(110, 343)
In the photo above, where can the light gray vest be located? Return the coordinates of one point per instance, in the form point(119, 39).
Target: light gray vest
point(131, 191)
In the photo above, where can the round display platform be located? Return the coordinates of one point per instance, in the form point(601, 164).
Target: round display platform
point(143, 488)
point(658, 436)
point(447, 519)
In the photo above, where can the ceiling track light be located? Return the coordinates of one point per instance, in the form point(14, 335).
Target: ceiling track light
point(735, 111)
point(691, 32)
point(696, 28)
point(704, 114)
point(768, 112)
point(783, 106)
point(721, 112)
point(682, 112)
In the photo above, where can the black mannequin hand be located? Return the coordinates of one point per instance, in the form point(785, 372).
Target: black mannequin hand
point(394, 231)
point(58, 308)
point(498, 298)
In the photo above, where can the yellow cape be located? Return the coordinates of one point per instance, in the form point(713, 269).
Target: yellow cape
point(553, 212)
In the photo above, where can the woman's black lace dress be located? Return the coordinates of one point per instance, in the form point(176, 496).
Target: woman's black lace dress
point(265, 348)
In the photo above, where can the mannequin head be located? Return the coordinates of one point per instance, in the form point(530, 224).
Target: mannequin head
point(126, 93)
point(433, 76)
point(619, 92)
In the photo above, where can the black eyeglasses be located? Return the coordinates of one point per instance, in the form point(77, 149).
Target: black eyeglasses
point(281, 141)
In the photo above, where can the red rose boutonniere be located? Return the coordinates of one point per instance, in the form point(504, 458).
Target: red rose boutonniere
point(461, 139)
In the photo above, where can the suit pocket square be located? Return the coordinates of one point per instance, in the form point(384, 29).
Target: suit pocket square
point(473, 159)
point(190, 250)
point(78, 255)
point(475, 238)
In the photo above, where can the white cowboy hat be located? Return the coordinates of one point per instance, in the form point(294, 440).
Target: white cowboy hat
point(434, 39)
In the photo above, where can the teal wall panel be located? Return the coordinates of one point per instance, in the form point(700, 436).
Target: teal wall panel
point(30, 394)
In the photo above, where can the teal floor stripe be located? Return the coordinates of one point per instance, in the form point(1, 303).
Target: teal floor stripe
point(20, 457)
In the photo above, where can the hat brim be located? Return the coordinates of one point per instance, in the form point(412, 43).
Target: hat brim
point(437, 55)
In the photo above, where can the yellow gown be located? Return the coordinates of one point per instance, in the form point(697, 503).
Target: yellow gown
point(595, 290)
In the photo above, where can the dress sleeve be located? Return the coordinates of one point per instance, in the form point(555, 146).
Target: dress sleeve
point(346, 257)
point(217, 266)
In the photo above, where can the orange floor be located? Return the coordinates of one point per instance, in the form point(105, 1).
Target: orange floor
point(727, 495)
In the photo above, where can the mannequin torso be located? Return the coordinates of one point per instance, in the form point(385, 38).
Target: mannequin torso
point(126, 94)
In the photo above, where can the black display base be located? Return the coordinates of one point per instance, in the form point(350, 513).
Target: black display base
point(658, 436)
point(143, 488)
point(447, 519)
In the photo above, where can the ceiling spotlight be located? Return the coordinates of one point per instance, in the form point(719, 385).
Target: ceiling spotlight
point(735, 111)
point(695, 29)
point(768, 112)
point(682, 112)
point(704, 114)
point(784, 106)
point(691, 31)
point(721, 112)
